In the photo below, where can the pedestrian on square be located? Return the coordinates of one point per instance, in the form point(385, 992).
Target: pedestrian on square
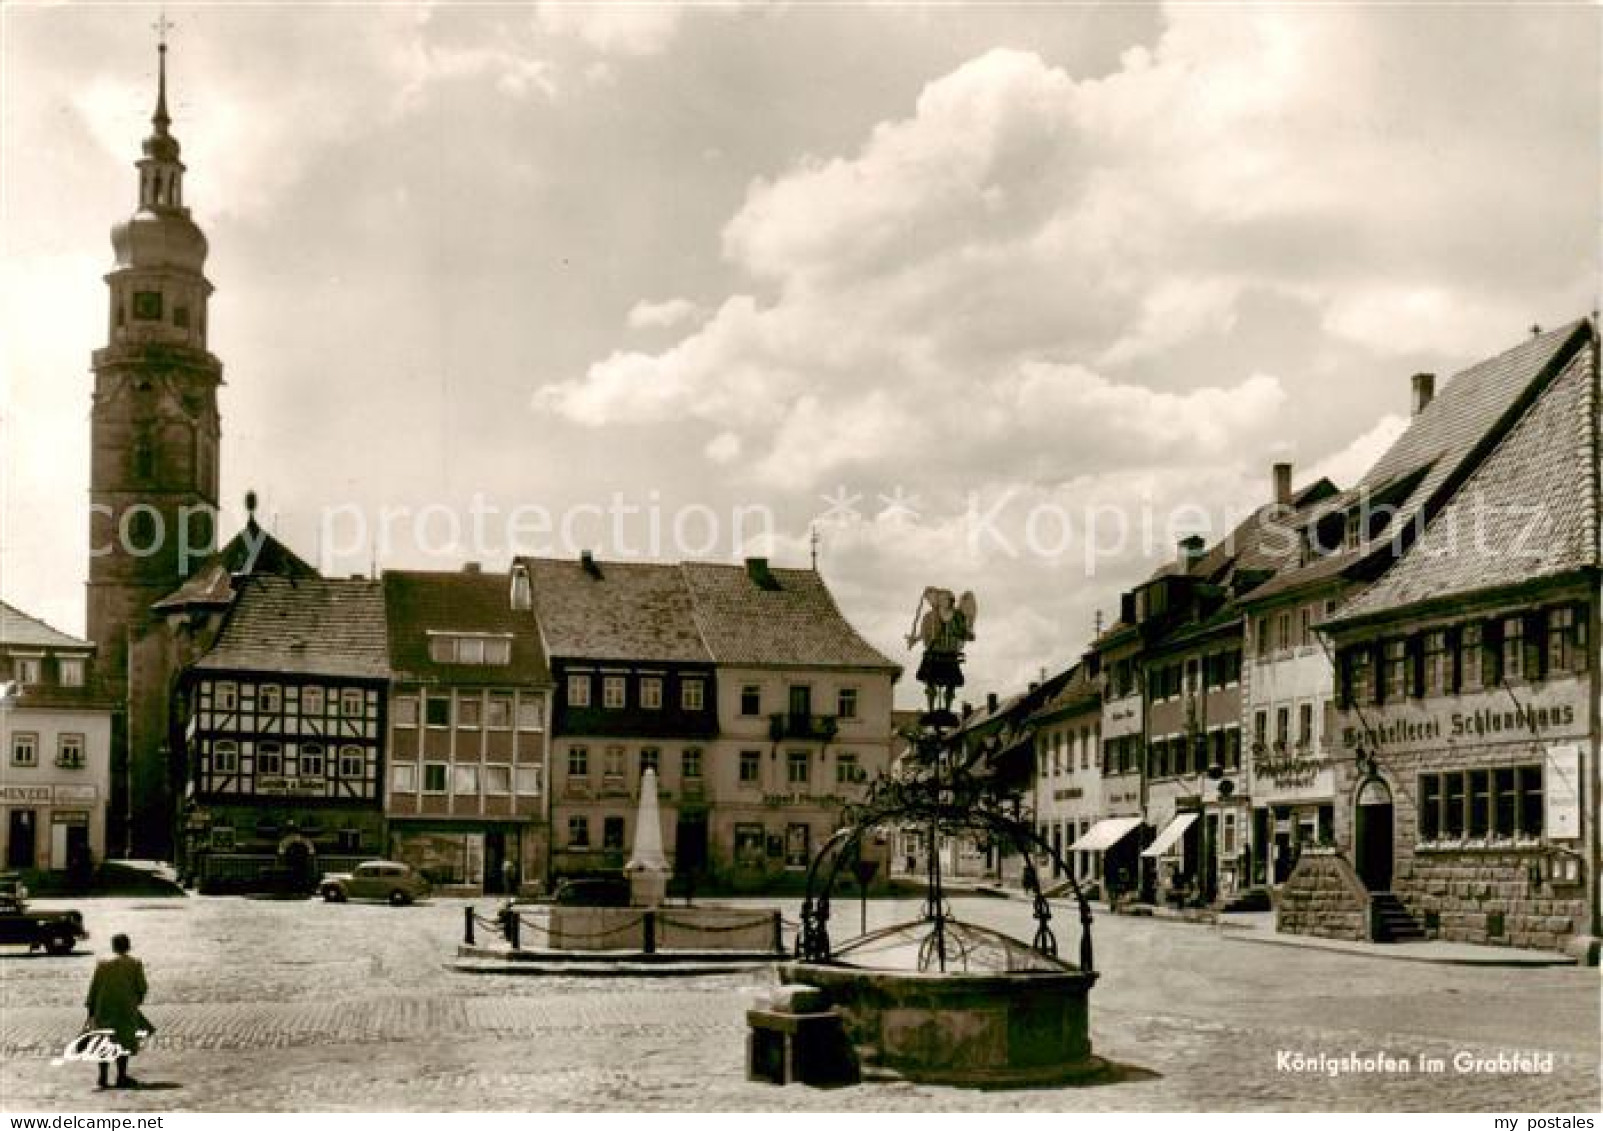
point(115, 996)
point(509, 877)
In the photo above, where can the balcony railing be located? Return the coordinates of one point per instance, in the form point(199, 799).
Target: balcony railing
point(816, 728)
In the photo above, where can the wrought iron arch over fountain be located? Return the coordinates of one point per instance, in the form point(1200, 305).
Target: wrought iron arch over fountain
point(943, 790)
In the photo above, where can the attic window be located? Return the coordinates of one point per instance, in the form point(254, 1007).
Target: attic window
point(462, 648)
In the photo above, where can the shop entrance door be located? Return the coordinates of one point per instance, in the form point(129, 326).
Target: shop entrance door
point(690, 844)
point(19, 839)
point(1372, 835)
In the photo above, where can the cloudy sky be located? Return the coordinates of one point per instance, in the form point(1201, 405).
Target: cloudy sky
point(1001, 298)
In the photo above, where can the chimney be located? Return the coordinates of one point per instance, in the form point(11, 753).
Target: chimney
point(522, 590)
point(472, 567)
point(1189, 551)
point(761, 576)
point(1282, 480)
point(587, 562)
point(990, 702)
point(1424, 390)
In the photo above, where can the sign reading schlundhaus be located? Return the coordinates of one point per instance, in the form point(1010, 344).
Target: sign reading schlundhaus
point(1469, 720)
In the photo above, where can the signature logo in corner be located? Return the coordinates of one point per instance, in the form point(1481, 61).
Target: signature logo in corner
point(98, 1046)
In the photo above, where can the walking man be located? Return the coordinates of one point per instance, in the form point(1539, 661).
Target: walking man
point(115, 995)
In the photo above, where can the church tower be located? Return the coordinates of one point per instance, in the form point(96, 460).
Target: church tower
point(153, 479)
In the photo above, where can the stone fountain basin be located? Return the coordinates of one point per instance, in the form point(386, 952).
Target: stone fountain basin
point(985, 1028)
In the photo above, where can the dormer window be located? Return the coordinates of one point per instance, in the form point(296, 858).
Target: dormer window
point(461, 648)
point(25, 669)
point(71, 672)
point(522, 590)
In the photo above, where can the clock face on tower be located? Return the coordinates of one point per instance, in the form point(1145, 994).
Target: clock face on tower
point(147, 305)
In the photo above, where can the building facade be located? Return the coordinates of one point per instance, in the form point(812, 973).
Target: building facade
point(469, 718)
point(634, 689)
point(1067, 788)
point(55, 739)
point(286, 725)
point(1468, 679)
point(804, 716)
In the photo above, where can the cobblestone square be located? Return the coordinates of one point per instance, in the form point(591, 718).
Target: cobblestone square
point(270, 1005)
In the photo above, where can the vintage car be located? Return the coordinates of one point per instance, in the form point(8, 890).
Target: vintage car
point(57, 932)
point(593, 891)
point(375, 879)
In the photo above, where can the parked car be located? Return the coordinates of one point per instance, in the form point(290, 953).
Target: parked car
point(604, 891)
point(375, 879)
point(56, 932)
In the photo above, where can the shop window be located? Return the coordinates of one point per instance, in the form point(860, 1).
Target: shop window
point(797, 846)
point(469, 711)
point(797, 765)
point(403, 777)
point(846, 703)
point(692, 696)
point(578, 832)
point(531, 712)
point(311, 761)
point(751, 762)
point(1430, 807)
point(528, 781)
point(751, 700)
point(434, 777)
point(405, 710)
point(225, 757)
point(1505, 802)
point(651, 692)
point(612, 834)
point(24, 749)
point(578, 690)
point(1453, 805)
point(1479, 803)
point(578, 761)
point(612, 692)
point(1530, 800)
point(690, 763)
point(437, 711)
point(749, 845)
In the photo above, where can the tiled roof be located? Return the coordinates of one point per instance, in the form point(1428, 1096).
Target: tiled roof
point(417, 602)
point(1079, 691)
point(1529, 511)
point(1316, 572)
point(793, 623)
point(311, 626)
point(18, 629)
point(1468, 408)
point(621, 611)
point(251, 551)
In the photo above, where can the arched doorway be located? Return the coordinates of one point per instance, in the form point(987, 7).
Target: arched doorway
point(1372, 834)
point(299, 858)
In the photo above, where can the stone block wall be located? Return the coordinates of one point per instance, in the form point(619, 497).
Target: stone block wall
point(1469, 895)
point(1323, 897)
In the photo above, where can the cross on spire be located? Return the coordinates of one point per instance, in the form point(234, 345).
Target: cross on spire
point(160, 119)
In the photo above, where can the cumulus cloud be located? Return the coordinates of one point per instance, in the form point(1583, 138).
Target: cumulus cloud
point(613, 29)
point(645, 315)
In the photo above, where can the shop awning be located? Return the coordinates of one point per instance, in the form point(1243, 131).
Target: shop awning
point(1172, 832)
point(1105, 834)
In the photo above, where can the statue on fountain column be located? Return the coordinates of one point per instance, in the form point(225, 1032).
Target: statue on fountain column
point(943, 623)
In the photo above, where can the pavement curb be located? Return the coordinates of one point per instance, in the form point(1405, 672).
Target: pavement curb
point(1399, 952)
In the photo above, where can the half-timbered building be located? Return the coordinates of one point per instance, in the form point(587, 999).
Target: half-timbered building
point(285, 735)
